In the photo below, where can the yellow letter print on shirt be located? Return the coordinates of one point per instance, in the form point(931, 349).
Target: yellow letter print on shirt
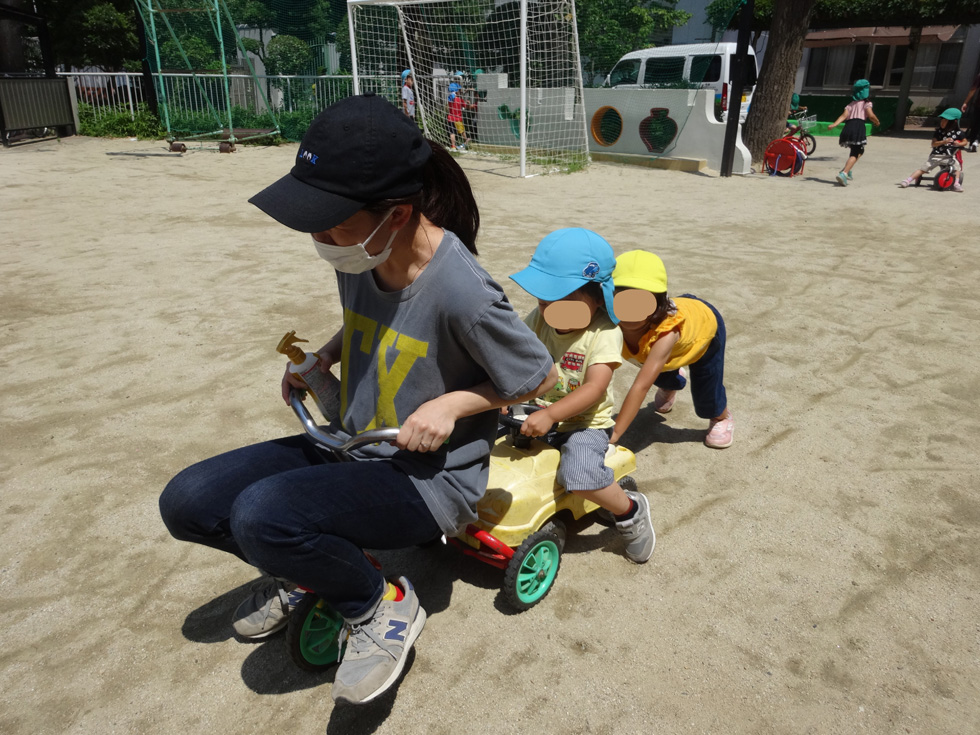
point(389, 379)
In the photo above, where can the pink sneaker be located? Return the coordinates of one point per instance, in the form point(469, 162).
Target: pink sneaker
point(720, 432)
point(663, 402)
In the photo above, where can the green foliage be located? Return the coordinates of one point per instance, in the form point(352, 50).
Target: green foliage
point(287, 55)
point(98, 33)
point(200, 55)
point(607, 29)
point(118, 124)
point(721, 14)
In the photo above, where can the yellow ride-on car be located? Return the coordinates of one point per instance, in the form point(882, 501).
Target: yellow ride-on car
point(520, 529)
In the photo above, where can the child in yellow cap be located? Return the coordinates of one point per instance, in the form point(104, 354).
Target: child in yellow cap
point(663, 335)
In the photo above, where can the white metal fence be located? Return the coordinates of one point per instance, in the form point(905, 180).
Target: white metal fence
point(194, 94)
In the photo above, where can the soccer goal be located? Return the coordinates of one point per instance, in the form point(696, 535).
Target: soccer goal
point(515, 66)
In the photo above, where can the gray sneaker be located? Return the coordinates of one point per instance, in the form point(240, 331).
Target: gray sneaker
point(378, 648)
point(267, 609)
point(638, 530)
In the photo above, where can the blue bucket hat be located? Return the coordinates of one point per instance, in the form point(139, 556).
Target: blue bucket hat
point(952, 113)
point(861, 90)
point(566, 260)
point(405, 73)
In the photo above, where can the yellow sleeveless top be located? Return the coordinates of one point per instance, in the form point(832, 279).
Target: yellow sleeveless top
point(696, 326)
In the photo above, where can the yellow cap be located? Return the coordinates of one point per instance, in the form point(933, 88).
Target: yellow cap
point(640, 269)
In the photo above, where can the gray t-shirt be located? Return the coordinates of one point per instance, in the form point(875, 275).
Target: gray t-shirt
point(451, 329)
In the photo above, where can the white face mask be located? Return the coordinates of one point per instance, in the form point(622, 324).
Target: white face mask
point(355, 258)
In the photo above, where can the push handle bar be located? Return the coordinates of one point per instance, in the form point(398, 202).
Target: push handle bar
point(322, 439)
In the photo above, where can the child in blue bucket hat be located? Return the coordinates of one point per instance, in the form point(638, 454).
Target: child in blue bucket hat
point(570, 275)
point(855, 135)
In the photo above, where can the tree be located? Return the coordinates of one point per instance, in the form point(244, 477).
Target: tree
point(784, 19)
point(98, 33)
point(286, 55)
point(767, 116)
point(607, 29)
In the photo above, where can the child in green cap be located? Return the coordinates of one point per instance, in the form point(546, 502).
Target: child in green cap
point(854, 134)
point(947, 142)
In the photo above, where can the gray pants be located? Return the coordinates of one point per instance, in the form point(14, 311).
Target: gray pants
point(583, 459)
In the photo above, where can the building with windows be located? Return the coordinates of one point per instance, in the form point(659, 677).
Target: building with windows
point(947, 61)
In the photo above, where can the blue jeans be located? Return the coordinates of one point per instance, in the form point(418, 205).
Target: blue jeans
point(707, 374)
point(281, 506)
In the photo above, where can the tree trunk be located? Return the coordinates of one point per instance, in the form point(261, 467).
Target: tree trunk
point(767, 116)
point(915, 34)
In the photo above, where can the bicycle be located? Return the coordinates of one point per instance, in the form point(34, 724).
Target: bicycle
point(800, 130)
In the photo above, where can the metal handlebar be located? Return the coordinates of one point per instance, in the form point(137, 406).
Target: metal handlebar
point(324, 440)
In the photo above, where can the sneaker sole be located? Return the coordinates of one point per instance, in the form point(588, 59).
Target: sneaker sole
point(721, 446)
point(265, 634)
point(413, 634)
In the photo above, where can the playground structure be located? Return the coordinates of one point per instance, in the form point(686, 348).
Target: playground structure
point(175, 32)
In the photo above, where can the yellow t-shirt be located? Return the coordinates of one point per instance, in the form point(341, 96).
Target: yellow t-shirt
point(573, 353)
point(696, 326)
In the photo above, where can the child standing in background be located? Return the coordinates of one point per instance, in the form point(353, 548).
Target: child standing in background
point(571, 276)
point(662, 335)
point(454, 117)
point(855, 135)
point(408, 94)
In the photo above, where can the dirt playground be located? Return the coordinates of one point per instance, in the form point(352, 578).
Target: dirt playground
point(822, 575)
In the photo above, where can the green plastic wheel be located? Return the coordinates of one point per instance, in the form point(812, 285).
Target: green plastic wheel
point(532, 570)
point(313, 634)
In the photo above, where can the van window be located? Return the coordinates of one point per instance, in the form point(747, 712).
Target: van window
point(706, 68)
point(625, 72)
point(669, 70)
point(751, 75)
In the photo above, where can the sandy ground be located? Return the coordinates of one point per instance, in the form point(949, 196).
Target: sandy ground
point(820, 576)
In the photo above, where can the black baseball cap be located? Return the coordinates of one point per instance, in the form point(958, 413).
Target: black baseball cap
point(360, 150)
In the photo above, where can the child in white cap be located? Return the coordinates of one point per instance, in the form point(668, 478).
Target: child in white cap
point(570, 275)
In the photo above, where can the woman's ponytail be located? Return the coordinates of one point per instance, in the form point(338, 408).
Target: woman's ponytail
point(447, 198)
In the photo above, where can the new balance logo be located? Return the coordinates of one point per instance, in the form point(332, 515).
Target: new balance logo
point(396, 631)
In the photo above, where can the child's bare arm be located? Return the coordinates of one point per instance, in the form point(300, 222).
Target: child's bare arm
point(874, 118)
point(597, 379)
point(839, 120)
point(637, 394)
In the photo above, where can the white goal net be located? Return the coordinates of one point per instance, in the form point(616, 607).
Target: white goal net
point(510, 70)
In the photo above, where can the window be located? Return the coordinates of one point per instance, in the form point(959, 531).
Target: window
point(664, 71)
point(946, 65)
point(706, 68)
point(815, 68)
point(898, 66)
point(859, 66)
point(625, 72)
point(879, 62)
